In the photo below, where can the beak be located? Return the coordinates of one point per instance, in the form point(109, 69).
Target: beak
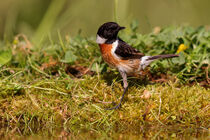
point(121, 28)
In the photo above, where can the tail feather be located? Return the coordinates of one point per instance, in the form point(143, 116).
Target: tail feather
point(146, 60)
point(162, 56)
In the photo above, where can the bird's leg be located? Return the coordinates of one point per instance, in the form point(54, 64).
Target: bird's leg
point(125, 86)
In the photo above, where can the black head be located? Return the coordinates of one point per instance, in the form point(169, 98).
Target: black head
point(108, 31)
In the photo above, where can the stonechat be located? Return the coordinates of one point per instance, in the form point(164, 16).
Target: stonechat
point(120, 55)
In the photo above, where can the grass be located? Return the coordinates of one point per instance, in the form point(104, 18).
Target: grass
point(39, 88)
point(79, 104)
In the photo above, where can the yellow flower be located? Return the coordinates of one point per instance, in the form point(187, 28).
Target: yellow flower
point(181, 48)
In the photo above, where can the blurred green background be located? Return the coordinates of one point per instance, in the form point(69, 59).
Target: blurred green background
point(36, 18)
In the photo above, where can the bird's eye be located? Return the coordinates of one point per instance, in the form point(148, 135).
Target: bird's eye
point(113, 28)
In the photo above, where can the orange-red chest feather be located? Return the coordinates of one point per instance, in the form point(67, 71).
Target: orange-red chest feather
point(106, 51)
point(130, 66)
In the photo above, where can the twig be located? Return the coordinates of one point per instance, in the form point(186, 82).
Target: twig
point(156, 117)
point(204, 128)
point(34, 102)
point(207, 76)
point(160, 106)
point(49, 89)
point(103, 102)
point(13, 75)
point(91, 63)
point(38, 70)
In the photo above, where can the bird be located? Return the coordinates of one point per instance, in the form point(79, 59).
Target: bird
point(120, 55)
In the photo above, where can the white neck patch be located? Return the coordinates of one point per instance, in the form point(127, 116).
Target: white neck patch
point(114, 47)
point(100, 40)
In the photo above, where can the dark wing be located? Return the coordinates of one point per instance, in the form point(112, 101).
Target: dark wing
point(125, 51)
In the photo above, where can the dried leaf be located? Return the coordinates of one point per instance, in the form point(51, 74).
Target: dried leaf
point(51, 63)
point(78, 71)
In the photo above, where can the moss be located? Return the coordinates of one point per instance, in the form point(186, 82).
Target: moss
point(52, 102)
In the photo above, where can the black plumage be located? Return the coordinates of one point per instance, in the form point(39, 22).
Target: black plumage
point(125, 51)
point(109, 31)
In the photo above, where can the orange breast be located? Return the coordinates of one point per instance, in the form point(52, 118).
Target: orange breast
point(107, 55)
point(130, 66)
